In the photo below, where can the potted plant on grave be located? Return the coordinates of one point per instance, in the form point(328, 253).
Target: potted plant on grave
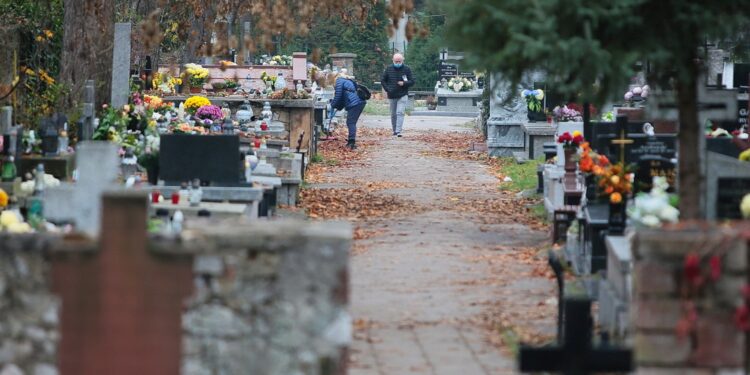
point(231, 85)
point(197, 77)
point(194, 102)
point(570, 143)
point(219, 86)
point(431, 102)
point(534, 104)
point(614, 182)
point(210, 116)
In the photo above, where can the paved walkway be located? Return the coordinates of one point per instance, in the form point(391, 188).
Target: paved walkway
point(421, 280)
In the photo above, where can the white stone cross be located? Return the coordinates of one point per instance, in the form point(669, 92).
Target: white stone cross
point(97, 163)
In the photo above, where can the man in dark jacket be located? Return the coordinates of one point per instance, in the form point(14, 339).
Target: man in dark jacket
point(396, 81)
point(346, 97)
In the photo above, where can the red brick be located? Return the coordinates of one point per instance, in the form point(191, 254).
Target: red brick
point(719, 342)
point(656, 313)
point(122, 306)
point(654, 278)
point(657, 349)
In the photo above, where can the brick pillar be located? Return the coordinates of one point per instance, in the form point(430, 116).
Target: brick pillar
point(299, 66)
point(662, 295)
point(121, 306)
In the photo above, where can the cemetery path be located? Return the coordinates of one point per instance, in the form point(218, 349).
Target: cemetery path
point(446, 267)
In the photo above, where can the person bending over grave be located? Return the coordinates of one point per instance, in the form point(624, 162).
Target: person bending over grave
point(396, 81)
point(346, 97)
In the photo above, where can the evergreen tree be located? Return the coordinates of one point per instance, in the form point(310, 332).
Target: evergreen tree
point(590, 47)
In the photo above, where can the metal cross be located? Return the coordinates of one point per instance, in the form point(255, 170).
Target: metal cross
point(622, 141)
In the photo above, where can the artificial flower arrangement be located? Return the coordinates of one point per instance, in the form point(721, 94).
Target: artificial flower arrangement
point(185, 128)
point(608, 116)
point(570, 141)
point(196, 74)
point(209, 114)
point(656, 207)
point(459, 84)
point(533, 99)
point(193, 103)
point(165, 83)
point(615, 182)
point(269, 80)
point(565, 113)
point(637, 93)
point(590, 161)
point(283, 60)
point(231, 84)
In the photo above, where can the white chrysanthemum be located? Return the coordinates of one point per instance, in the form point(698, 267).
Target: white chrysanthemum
point(651, 221)
point(745, 206)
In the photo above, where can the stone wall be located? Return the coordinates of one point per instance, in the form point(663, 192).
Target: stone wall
point(269, 304)
point(269, 298)
point(28, 311)
point(687, 286)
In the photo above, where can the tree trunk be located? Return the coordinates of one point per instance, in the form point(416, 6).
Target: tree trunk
point(88, 33)
point(690, 154)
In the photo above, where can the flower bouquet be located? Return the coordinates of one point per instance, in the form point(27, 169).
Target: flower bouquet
point(459, 84)
point(209, 114)
point(565, 113)
point(268, 80)
point(656, 207)
point(570, 141)
point(533, 99)
point(193, 103)
point(637, 94)
point(197, 75)
point(614, 182)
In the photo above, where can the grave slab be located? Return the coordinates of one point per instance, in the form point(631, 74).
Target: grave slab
point(537, 134)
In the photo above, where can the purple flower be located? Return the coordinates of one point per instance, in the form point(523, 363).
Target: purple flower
point(209, 112)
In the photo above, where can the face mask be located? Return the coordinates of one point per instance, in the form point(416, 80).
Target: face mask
point(398, 65)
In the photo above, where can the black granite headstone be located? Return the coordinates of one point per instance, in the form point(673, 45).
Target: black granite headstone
point(729, 195)
point(211, 158)
point(650, 166)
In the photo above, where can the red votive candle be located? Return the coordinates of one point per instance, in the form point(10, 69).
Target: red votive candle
point(175, 198)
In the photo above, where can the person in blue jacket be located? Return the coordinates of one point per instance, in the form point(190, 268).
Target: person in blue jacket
point(346, 97)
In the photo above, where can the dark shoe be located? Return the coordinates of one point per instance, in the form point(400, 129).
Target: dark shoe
point(395, 134)
point(398, 135)
point(351, 144)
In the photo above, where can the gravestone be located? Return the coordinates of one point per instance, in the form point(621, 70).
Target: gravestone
point(212, 159)
point(122, 305)
point(98, 166)
point(616, 289)
point(575, 353)
point(727, 182)
point(87, 122)
point(447, 71)
point(6, 122)
point(464, 103)
point(650, 166)
point(713, 105)
point(508, 112)
point(121, 65)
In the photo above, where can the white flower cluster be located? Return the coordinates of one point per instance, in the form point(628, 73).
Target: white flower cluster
point(460, 84)
point(653, 209)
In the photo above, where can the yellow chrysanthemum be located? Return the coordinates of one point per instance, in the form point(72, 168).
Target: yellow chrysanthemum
point(745, 155)
point(194, 102)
